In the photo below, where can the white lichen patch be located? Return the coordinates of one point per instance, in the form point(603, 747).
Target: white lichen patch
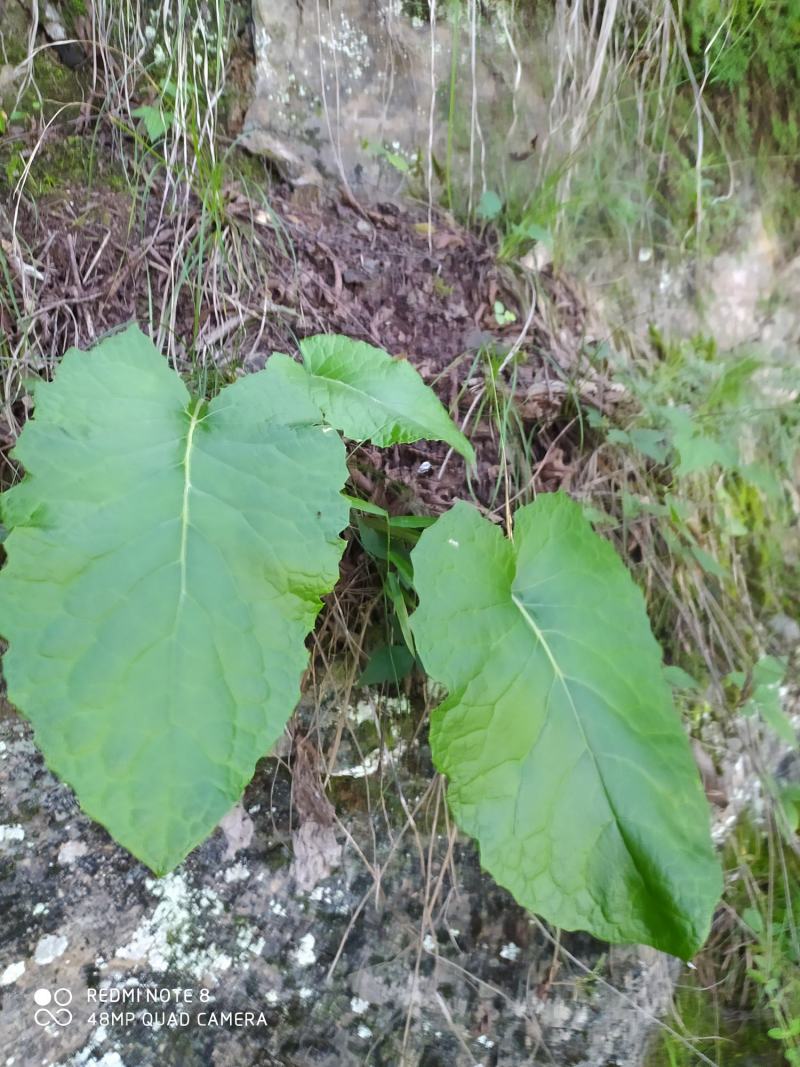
point(237, 873)
point(510, 952)
point(248, 943)
point(49, 948)
point(171, 936)
point(304, 954)
point(359, 1006)
point(11, 833)
point(86, 1058)
point(372, 762)
point(351, 43)
point(379, 708)
point(71, 851)
point(12, 973)
point(333, 897)
point(90, 1056)
point(364, 711)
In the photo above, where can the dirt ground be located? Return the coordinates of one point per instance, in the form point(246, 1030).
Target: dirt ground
point(83, 262)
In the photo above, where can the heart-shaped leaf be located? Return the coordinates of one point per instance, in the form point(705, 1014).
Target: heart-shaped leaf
point(564, 754)
point(166, 560)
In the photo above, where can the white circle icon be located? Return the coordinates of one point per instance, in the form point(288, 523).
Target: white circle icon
point(42, 997)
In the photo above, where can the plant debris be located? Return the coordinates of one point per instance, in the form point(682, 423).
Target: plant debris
point(81, 263)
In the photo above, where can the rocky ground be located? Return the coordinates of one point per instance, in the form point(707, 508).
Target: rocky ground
point(374, 939)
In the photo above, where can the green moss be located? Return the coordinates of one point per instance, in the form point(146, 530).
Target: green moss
point(729, 1038)
point(61, 163)
point(73, 9)
point(249, 169)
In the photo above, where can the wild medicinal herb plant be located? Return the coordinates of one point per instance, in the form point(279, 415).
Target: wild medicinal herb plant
point(166, 560)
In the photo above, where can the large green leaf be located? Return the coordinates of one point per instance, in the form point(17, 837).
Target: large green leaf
point(565, 757)
point(368, 395)
point(166, 560)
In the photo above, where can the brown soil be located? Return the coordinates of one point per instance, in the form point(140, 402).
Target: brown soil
point(83, 262)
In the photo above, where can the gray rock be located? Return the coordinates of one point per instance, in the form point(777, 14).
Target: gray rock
point(400, 968)
point(786, 631)
point(348, 97)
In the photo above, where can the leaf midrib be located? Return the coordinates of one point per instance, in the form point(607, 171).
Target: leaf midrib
point(185, 510)
point(539, 634)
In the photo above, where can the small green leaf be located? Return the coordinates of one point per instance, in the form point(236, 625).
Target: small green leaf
point(618, 437)
point(708, 563)
point(770, 670)
point(400, 163)
point(791, 811)
point(767, 702)
point(786, 1033)
point(651, 443)
point(398, 600)
point(596, 516)
point(728, 389)
point(489, 206)
point(389, 663)
point(753, 918)
point(367, 395)
point(564, 753)
point(678, 678)
point(699, 452)
point(156, 121)
point(539, 233)
point(394, 159)
point(596, 419)
point(357, 504)
point(503, 317)
point(402, 564)
point(736, 678)
point(633, 506)
point(411, 522)
point(374, 542)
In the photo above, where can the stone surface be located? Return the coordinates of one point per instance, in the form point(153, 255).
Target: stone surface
point(343, 91)
point(745, 297)
point(438, 967)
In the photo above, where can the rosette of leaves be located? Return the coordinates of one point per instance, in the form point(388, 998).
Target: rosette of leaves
point(166, 559)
